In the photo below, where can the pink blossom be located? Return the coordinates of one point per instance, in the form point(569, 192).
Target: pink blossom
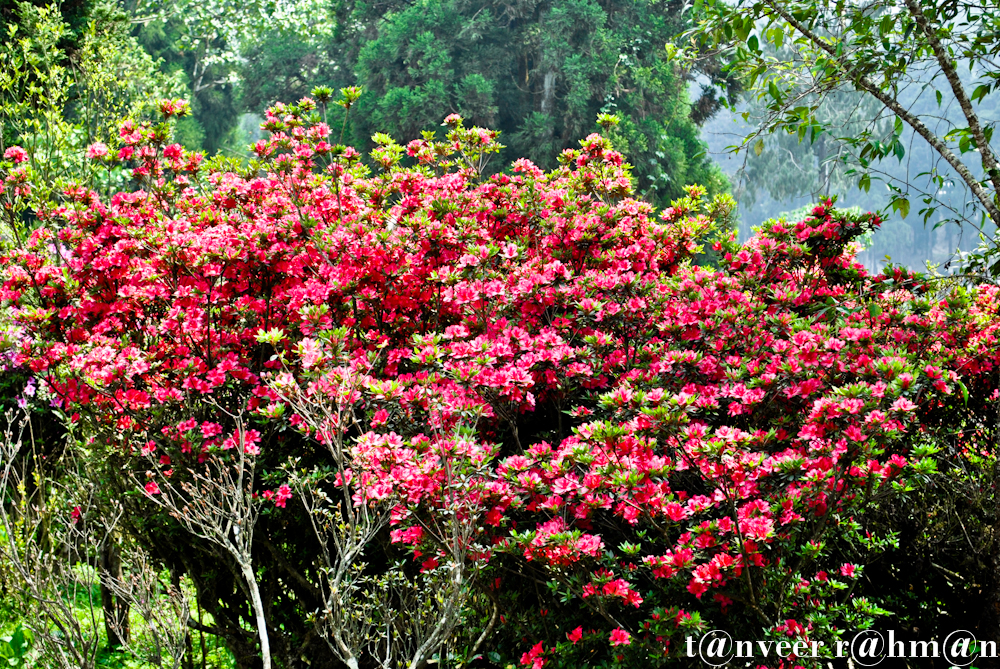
point(707, 410)
point(283, 494)
point(16, 154)
point(175, 107)
point(97, 150)
point(310, 352)
point(903, 404)
point(620, 637)
point(534, 657)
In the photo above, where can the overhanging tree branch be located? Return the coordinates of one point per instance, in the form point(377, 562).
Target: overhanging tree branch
point(869, 86)
point(951, 74)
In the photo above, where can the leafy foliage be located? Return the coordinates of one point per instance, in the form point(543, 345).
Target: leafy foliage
point(538, 71)
point(53, 105)
point(892, 54)
point(207, 41)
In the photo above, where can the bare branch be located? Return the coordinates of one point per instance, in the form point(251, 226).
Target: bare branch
point(218, 505)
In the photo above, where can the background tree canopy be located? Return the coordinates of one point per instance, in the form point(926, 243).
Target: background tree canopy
point(539, 71)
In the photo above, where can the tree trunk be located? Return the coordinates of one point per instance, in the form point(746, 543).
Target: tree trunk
point(258, 609)
point(115, 609)
point(548, 92)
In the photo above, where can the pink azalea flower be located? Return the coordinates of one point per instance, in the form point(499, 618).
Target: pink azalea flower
point(620, 637)
point(97, 150)
point(16, 154)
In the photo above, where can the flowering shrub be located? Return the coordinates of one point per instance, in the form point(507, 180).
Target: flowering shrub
point(533, 356)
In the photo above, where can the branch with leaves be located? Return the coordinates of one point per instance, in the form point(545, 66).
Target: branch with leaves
point(885, 54)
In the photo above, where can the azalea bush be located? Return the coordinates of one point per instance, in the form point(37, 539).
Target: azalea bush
point(526, 402)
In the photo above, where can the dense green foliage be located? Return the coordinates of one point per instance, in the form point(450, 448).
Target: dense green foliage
point(62, 89)
point(213, 94)
point(75, 13)
point(538, 71)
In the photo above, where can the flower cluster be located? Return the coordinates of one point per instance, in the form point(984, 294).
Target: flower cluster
point(535, 352)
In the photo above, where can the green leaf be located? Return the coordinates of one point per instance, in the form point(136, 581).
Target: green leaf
point(272, 336)
point(758, 148)
point(744, 28)
point(885, 27)
point(981, 92)
point(773, 91)
point(898, 150)
point(902, 205)
point(965, 392)
point(779, 37)
point(874, 310)
point(629, 548)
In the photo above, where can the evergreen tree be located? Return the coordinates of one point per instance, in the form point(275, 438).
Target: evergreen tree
point(538, 70)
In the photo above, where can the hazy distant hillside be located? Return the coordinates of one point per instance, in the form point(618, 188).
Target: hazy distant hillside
point(786, 176)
